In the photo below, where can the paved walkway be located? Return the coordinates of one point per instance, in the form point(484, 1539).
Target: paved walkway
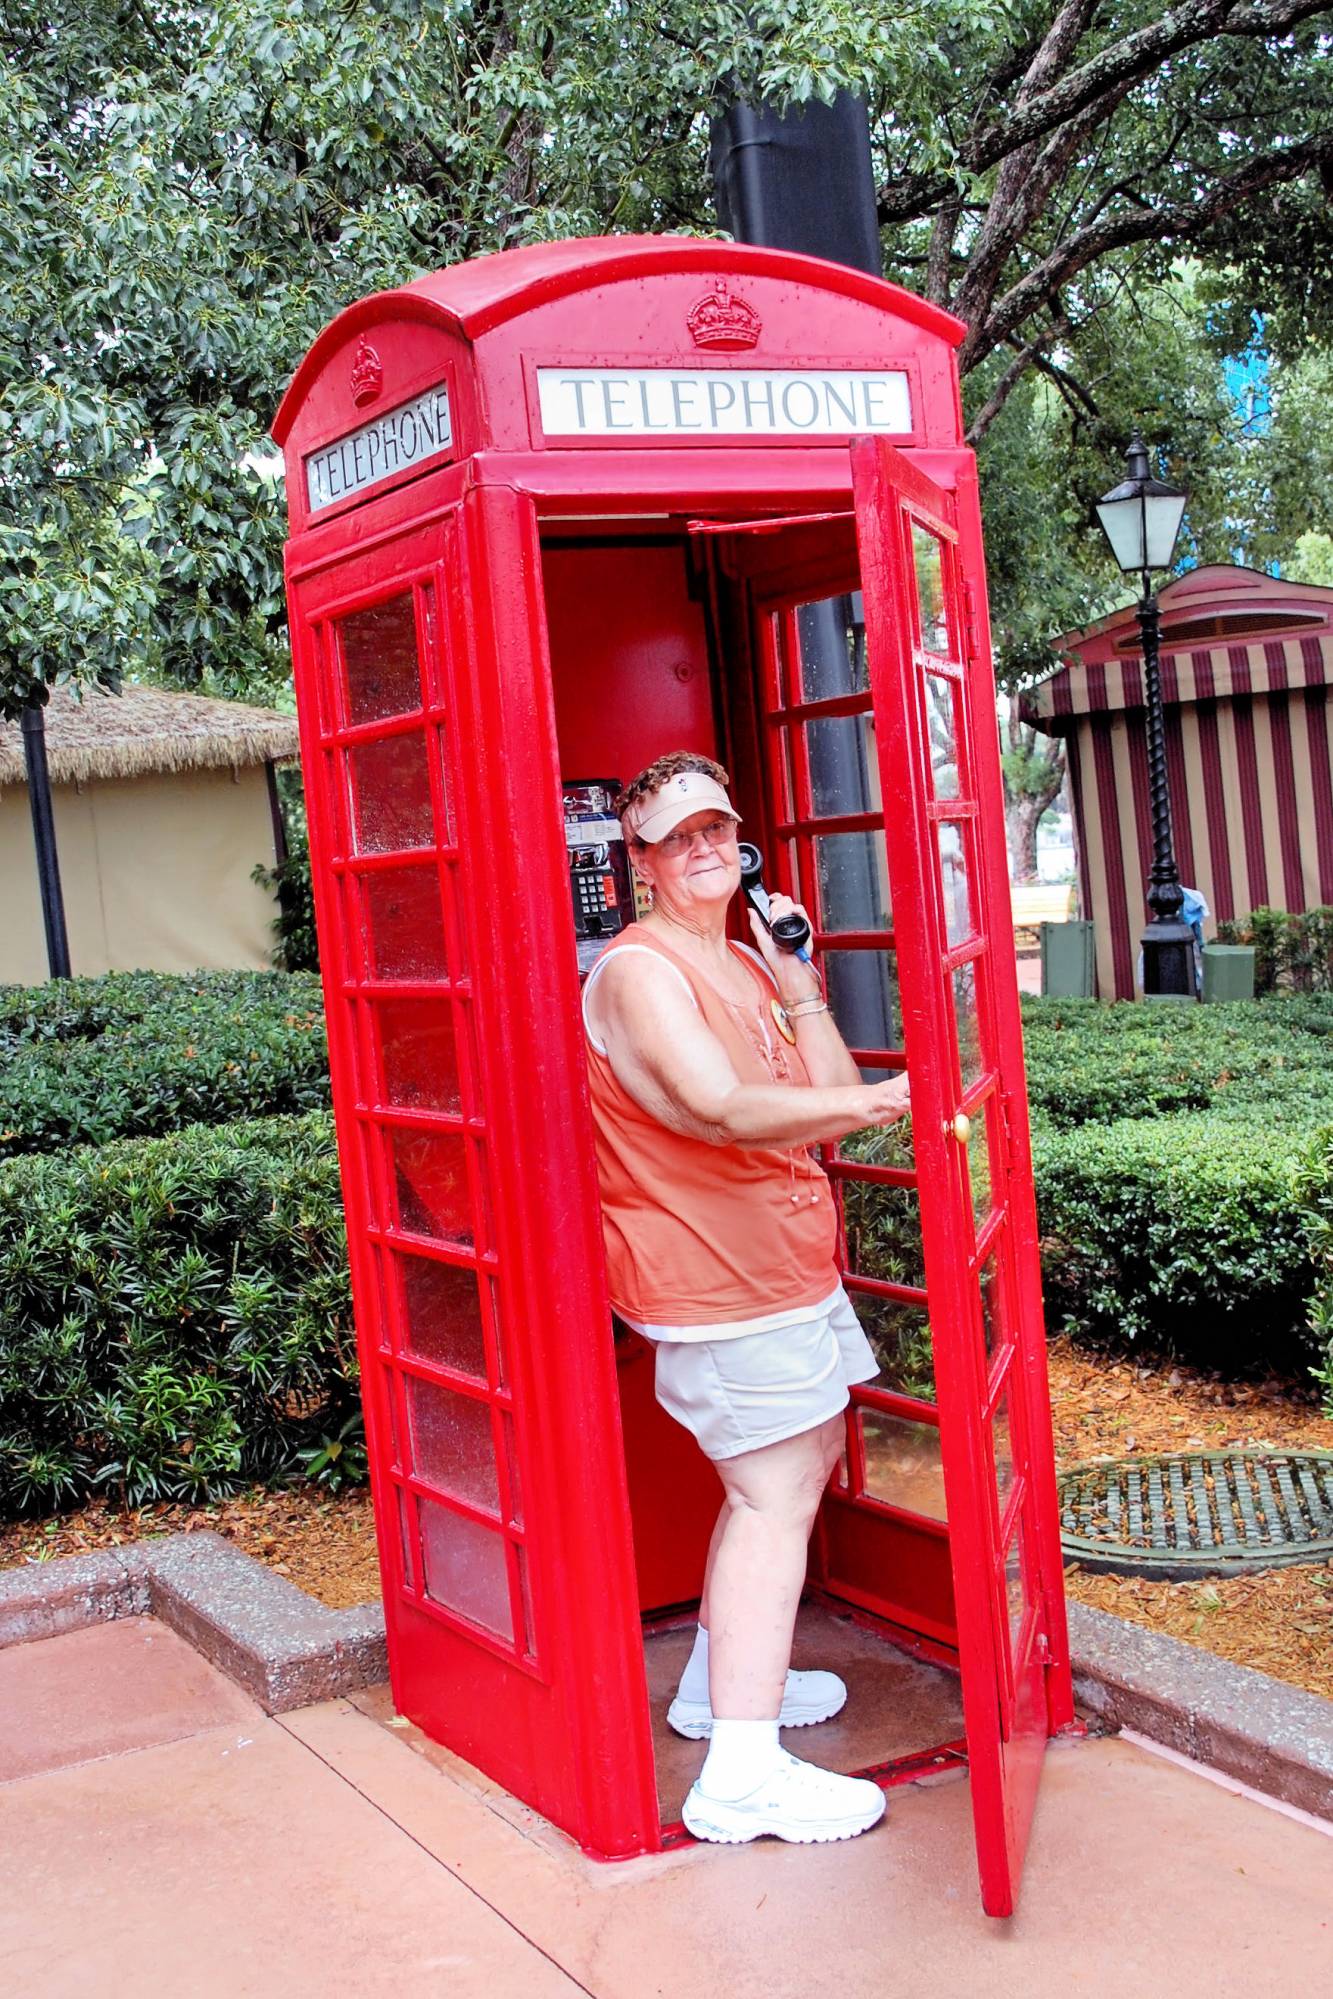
point(158, 1833)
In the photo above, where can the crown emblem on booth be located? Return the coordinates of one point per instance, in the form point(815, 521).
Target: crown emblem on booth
point(367, 374)
point(720, 319)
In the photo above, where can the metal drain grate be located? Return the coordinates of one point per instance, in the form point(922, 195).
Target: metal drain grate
point(1202, 1513)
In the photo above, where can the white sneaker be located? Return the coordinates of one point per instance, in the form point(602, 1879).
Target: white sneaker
point(806, 1698)
point(796, 1801)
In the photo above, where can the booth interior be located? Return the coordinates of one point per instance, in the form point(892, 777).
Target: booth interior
point(678, 634)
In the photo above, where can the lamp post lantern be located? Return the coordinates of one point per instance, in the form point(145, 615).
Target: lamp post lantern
point(1141, 519)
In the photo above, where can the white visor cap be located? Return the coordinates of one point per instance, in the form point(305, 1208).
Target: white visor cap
point(690, 791)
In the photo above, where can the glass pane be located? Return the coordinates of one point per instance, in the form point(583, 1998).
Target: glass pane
point(1004, 1449)
point(419, 1054)
point(992, 1312)
point(511, 1459)
point(525, 1592)
point(430, 1184)
point(844, 774)
point(978, 1162)
point(404, 924)
point(965, 1014)
point(928, 557)
point(900, 1336)
point(942, 733)
point(391, 1399)
point(442, 1314)
point(833, 648)
point(380, 659)
point(1016, 1587)
point(466, 1569)
point(852, 877)
point(391, 795)
point(862, 989)
point(883, 1228)
point(953, 876)
point(903, 1463)
point(406, 1509)
point(451, 1442)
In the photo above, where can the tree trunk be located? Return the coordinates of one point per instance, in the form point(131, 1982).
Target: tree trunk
point(1022, 818)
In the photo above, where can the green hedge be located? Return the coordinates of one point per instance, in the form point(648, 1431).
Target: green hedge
point(1177, 1154)
point(1094, 1063)
point(174, 1313)
point(83, 1061)
point(1189, 1233)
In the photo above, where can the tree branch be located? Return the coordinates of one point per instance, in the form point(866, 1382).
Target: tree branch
point(1010, 379)
point(939, 260)
point(1174, 222)
point(1120, 66)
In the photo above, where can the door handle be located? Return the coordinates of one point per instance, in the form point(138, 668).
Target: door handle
point(960, 1128)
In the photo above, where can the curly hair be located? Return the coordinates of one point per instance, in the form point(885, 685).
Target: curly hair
point(661, 770)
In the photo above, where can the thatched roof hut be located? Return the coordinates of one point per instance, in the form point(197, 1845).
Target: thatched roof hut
point(147, 730)
point(164, 803)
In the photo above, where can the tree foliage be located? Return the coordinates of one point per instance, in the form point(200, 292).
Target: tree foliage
point(187, 196)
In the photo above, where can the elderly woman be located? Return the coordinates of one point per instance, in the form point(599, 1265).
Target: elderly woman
point(714, 1068)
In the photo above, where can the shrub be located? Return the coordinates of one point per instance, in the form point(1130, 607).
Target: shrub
point(1293, 949)
point(1094, 1063)
point(1187, 1233)
point(1315, 1191)
point(296, 949)
point(83, 1061)
point(174, 1314)
point(1175, 1173)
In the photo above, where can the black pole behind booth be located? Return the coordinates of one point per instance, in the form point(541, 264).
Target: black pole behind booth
point(802, 180)
point(44, 838)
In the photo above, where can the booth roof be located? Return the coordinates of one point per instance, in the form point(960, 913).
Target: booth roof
point(146, 730)
point(483, 292)
point(1225, 630)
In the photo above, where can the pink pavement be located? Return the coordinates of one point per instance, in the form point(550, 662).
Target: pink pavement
point(158, 1832)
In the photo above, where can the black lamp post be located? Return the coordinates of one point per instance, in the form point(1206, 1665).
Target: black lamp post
point(1141, 519)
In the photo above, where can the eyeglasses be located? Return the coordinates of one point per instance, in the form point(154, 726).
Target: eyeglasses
point(717, 832)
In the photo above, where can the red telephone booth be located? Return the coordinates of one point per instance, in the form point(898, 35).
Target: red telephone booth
point(552, 513)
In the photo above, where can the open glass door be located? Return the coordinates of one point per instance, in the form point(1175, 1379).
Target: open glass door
point(933, 708)
point(883, 813)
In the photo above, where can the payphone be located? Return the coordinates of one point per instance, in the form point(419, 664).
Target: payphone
point(553, 512)
point(599, 873)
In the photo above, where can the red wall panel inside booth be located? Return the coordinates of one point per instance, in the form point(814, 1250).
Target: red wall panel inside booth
point(631, 674)
point(629, 656)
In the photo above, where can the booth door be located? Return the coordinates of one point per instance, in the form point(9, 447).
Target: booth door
point(934, 707)
point(473, 1229)
point(885, 819)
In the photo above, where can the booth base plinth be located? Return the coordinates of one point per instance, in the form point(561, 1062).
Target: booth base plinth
point(897, 1707)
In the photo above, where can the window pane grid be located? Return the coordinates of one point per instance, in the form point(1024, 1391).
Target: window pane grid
point(503, 1544)
point(472, 1387)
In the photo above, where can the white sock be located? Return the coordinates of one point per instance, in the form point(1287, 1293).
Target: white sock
point(740, 1756)
point(694, 1680)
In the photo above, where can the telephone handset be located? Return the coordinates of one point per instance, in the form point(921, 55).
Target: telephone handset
point(789, 933)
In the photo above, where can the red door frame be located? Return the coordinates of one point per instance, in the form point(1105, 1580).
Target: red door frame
point(520, 1710)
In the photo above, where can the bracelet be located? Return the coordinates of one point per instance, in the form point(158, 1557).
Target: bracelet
point(806, 1006)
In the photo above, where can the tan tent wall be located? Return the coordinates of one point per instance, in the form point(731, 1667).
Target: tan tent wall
point(155, 872)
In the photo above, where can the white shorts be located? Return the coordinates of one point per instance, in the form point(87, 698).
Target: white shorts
point(737, 1395)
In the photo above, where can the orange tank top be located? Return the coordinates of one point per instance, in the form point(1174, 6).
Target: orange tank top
point(700, 1234)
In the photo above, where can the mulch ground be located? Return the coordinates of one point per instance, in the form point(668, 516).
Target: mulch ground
point(1279, 1620)
point(325, 1545)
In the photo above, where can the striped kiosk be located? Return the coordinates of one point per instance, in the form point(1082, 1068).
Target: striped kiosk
point(1246, 662)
